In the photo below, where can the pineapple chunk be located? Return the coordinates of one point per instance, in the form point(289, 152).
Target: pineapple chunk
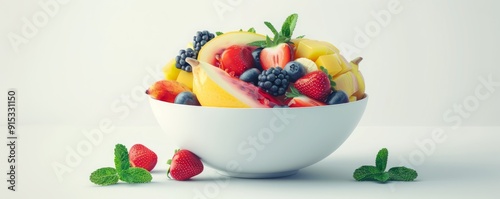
point(347, 82)
point(312, 49)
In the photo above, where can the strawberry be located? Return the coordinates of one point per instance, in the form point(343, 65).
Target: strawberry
point(184, 165)
point(315, 84)
point(141, 156)
point(276, 56)
point(236, 59)
point(299, 100)
point(304, 101)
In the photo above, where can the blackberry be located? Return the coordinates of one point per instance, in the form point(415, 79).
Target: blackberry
point(180, 60)
point(274, 81)
point(200, 39)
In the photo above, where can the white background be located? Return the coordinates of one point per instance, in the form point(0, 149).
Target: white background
point(86, 57)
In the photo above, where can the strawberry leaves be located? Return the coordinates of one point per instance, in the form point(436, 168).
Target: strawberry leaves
point(332, 83)
point(283, 36)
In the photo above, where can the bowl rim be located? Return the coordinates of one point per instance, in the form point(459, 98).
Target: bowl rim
point(362, 100)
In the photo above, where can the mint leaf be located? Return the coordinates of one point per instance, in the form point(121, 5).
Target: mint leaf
point(135, 175)
point(271, 27)
point(104, 176)
point(269, 42)
point(252, 30)
point(402, 174)
point(301, 36)
point(381, 177)
point(258, 44)
point(366, 173)
point(290, 21)
point(285, 30)
point(377, 173)
point(122, 161)
point(218, 33)
point(381, 160)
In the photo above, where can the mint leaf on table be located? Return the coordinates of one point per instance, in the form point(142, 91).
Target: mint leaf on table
point(104, 176)
point(381, 177)
point(402, 174)
point(381, 160)
point(366, 173)
point(122, 171)
point(136, 175)
point(378, 173)
point(218, 33)
point(122, 161)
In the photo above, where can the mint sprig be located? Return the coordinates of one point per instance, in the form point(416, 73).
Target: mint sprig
point(283, 36)
point(378, 173)
point(122, 161)
point(122, 171)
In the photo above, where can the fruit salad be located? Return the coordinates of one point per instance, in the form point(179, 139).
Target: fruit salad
point(245, 69)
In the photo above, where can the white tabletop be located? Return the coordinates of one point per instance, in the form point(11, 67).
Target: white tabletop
point(462, 163)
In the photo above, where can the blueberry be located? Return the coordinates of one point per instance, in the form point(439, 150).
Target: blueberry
point(337, 97)
point(295, 70)
point(256, 58)
point(187, 98)
point(251, 76)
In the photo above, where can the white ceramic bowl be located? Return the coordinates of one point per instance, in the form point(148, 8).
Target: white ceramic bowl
point(259, 142)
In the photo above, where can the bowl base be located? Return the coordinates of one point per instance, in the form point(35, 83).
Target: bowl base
point(258, 175)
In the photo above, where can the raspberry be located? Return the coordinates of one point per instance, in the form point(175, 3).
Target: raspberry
point(274, 81)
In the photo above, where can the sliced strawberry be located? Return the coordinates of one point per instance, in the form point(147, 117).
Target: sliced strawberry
point(184, 165)
point(315, 84)
point(143, 157)
point(276, 56)
point(236, 59)
point(304, 101)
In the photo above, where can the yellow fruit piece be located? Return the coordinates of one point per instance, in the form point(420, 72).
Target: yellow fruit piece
point(296, 42)
point(353, 98)
point(312, 49)
point(308, 64)
point(360, 79)
point(331, 63)
point(344, 63)
point(186, 78)
point(212, 86)
point(170, 71)
point(346, 82)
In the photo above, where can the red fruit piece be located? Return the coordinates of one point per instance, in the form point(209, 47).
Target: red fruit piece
point(268, 99)
point(184, 165)
point(315, 84)
point(143, 157)
point(236, 59)
point(304, 101)
point(166, 90)
point(275, 56)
